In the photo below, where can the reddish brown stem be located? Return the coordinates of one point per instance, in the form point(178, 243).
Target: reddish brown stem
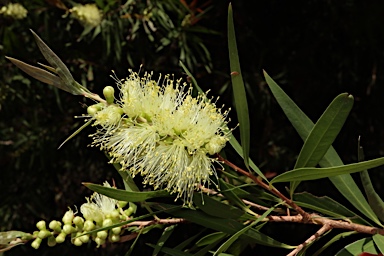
point(306, 216)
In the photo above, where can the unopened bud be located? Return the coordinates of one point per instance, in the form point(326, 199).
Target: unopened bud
point(79, 222)
point(116, 230)
point(102, 234)
point(77, 241)
point(68, 229)
point(61, 238)
point(107, 223)
point(41, 225)
point(99, 241)
point(44, 234)
point(84, 238)
point(55, 226)
point(114, 238)
point(36, 243)
point(109, 94)
point(51, 241)
point(89, 225)
point(68, 217)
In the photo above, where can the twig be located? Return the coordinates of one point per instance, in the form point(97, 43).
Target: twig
point(306, 216)
point(311, 239)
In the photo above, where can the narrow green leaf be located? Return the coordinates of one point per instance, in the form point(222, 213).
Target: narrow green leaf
point(60, 68)
point(216, 208)
point(374, 199)
point(334, 239)
point(228, 192)
point(379, 242)
point(170, 251)
point(303, 125)
point(235, 236)
point(163, 238)
point(76, 132)
point(211, 238)
point(357, 247)
point(323, 134)
point(39, 74)
point(124, 195)
point(327, 206)
point(228, 226)
point(239, 94)
point(312, 173)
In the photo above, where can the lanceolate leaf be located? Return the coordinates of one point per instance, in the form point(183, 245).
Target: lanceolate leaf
point(303, 125)
point(323, 133)
point(124, 195)
point(333, 240)
point(228, 226)
point(327, 206)
point(239, 94)
point(374, 199)
point(356, 248)
point(312, 173)
point(379, 242)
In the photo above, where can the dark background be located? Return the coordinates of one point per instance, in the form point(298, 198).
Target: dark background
point(314, 50)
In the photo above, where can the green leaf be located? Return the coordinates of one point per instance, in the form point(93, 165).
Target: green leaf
point(163, 238)
point(334, 239)
point(303, 125)
point(312, 173)
point(235, 236)
point(76, 132)
point(379, 242)
point(374, 199)
point(323, 134)
point(239, 94)
point(327, 206)
point(170, 251)
point(128, 196)
point(216, 208)
point(355, 248)
point(211, 238)
point(59, 68)
point(228, 226)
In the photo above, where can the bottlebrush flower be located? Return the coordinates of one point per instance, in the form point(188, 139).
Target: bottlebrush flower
point(165, 134)
point(88, 15)
point(16, 11)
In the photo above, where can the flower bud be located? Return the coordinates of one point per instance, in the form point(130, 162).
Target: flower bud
point(61, 238)
point(109, 94)
point(116, 230)
point(128, 211)
point(68, 229)
point(84, 238)
point(55, 226)
point(44, 234)
point(114, 215)
point(41, 225)
point(114, 238)
point(89, 225)
point(79, 222)
point(36, 243)
point(51, 241)
point(77, 241)
point(102, 234)
point(68, 217)
point(107, 223)
point(99, 241)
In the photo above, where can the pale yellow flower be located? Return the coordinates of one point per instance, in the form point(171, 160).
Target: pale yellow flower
point(165, 134)
point(98, 206)
point(88, 15)
point(16, 11)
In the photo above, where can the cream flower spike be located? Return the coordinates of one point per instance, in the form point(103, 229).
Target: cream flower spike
point(165, 134)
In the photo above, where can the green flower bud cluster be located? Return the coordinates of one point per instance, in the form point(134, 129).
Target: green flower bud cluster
point(79, 229)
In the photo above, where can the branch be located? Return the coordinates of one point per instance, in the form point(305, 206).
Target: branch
point(273, 190)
